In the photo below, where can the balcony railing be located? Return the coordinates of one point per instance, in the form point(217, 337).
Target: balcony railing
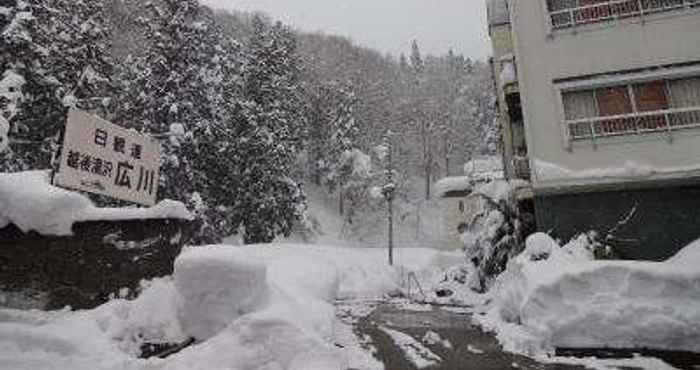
point(667, 120)
point(614, 9)
point(521, 167)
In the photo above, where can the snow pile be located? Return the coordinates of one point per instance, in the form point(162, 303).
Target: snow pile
point(150, 318)
point(28, 201)
point(553, 296)
point(250, 308)
point(217, 286)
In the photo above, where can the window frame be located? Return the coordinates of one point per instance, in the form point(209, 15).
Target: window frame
point(641, 14)
point(629, 80)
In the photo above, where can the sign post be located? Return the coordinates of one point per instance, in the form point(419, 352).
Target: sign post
point(102, 158)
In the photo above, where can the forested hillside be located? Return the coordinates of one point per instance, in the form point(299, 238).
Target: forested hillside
point(248, 109)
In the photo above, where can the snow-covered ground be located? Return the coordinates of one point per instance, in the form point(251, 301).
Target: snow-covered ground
point(255, 307)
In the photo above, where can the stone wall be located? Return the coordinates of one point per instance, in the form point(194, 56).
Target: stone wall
point(85, 269)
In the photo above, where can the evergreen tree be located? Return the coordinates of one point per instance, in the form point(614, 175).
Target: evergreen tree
point(270, 129)
point(333, 131)
point(165, 89)
point(59, 48)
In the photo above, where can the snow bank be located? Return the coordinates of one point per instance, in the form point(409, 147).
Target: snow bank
point(31, 203)
point(251, 308)
point(553, 297)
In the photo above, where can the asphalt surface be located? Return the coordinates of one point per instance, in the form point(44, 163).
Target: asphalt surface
point(472, 348)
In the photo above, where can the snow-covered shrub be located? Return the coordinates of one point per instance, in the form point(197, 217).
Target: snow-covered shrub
point(494, 235)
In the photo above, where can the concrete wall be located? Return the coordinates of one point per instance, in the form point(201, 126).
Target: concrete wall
point(502, 44)
point(85, 269)
point(628, 44)
point(453, 217)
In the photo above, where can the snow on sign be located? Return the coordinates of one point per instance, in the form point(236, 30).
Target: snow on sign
point(100, 157)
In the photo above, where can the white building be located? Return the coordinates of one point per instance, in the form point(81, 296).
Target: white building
point(611, 103)
point(458, 204)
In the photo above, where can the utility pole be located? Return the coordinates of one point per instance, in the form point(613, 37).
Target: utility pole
point(389, 191)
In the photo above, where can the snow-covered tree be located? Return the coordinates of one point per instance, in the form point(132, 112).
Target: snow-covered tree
point(59, 48)
point(270, 130)
point(165, 89)
point(332, 131)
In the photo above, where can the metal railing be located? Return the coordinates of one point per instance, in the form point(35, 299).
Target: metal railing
point(613, 9)
point(633, 124)
point(521, 167)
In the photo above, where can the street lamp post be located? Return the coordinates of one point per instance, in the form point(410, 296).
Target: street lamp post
point(389, 191)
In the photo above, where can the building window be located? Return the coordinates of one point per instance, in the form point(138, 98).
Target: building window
point(570, 13)
point(633, 108)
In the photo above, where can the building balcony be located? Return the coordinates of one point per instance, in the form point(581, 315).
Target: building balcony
point(668, 120)
point(571, 13)
point(521, 167)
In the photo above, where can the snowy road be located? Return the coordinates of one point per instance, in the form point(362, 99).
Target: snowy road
point(460, 345)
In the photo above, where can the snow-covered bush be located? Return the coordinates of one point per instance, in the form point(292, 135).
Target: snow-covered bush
point(495, 234)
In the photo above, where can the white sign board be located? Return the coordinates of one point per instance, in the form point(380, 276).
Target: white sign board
point(100, 157)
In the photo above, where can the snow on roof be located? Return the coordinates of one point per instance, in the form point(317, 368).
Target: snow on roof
point(28, 201)
point(450, 184)
point(498, 12)
point(484, 169)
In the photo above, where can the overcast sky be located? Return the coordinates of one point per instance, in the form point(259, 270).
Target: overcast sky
point(385, 25)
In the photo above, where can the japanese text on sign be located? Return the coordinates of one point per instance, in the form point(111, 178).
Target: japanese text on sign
point(103, 158)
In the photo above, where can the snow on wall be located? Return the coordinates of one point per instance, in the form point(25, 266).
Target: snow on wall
point(553, 296)
point(28, 201)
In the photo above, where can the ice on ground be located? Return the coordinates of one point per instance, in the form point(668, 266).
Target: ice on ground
point(553, 297)
point(474, 350)
point(28, 201)
point(360, 352)
point(420, 356)
point(432, 338)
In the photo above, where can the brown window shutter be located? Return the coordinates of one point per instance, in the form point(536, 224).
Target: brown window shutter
point(651, 96)
point(613, 101)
